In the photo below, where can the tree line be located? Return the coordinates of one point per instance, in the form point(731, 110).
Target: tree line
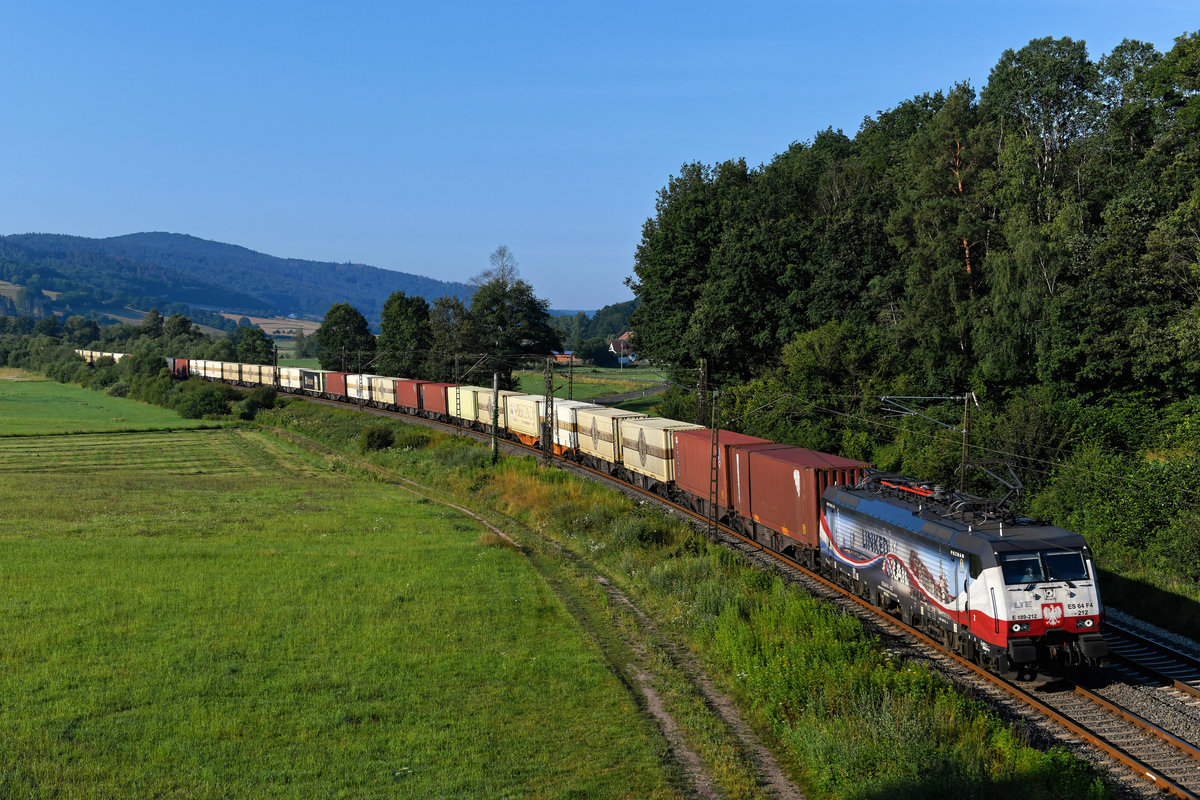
point(1040, 231)
point(505, 326)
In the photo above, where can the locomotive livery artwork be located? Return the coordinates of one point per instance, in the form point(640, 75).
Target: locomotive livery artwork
point(1014, 594)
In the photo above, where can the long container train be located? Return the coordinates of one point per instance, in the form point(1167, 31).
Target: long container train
point(1014, 594)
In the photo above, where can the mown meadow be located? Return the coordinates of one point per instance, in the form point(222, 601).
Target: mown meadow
point(216, 613)
point(30, 404)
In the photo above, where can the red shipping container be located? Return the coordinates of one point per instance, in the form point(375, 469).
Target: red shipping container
point(335, 383)
point(693, 461)
point(780, 487)
point(433, 397)
point(408, 393)
point(179, 368)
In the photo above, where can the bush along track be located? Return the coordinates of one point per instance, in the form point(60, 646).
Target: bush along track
point(844, 718)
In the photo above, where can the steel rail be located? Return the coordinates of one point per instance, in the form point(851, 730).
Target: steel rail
point(1187, 662)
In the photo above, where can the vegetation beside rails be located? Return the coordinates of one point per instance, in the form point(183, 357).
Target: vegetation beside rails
point(849, 721)
point(219, 613)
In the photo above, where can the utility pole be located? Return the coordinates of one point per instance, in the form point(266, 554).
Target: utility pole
point(713, 472)
point(702, 393)
point(548, 421)
point(966, 432)
point(571, 376)
point(495, 417)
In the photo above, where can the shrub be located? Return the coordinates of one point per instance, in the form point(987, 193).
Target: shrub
point(376, 437)
point(257, 399)
point(201, 399)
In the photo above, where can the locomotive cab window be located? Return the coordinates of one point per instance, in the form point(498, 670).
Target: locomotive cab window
point(1065, 565)
point(1022, 568)
point(1047, 565)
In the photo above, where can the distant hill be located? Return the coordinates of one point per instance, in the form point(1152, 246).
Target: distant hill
point(167, 270)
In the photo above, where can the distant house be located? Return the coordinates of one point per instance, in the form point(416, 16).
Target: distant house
point(567, 357)
point(622, 348)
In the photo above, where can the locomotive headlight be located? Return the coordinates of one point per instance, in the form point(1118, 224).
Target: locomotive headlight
point(1020, 627)
point(1086, 623)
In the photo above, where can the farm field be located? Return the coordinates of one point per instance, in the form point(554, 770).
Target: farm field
point(31, 404)
point(588, 384)
point(279, 325)
point(203, 613)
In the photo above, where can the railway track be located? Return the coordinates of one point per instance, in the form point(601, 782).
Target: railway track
point(1134, 743)
point(1172, 666)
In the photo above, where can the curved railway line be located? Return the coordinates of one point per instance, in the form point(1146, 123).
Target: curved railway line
point(1141, 733)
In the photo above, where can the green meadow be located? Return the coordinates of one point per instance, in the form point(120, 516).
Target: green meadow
point(35, 405)
point(214, 614)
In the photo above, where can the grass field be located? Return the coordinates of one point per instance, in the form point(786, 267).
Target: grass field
point(32, 405)
point(587, 385)
point(305, 363)
point(211, 613)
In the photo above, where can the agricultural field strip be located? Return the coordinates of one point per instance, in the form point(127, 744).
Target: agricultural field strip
point(205, 451)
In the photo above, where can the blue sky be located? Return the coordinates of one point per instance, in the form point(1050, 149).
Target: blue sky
point(421, 137)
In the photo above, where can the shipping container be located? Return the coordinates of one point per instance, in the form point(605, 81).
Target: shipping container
point(694, 456)
point(213, 370)
point(231, 371)
point(408, 393)
point(780, 487)
point(335, 384)
point(358, 387)
point(289, 378)
point(648, 448)
point(433, 398)
point(462, 402)
point(383, 390)
point(599, 434)
point(525, 414)
point(483, 404)
point(179, 368)
point(312, 380)
point(566, 423)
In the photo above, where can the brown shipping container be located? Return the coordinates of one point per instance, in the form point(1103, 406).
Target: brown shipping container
point(335, 383)
point(433, 397)
point(693, 461)
point(408, 392)
point(781, 486)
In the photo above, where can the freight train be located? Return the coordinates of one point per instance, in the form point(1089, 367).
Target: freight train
point(1011, 593)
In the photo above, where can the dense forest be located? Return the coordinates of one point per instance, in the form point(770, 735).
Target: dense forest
point(166, 270)
point(1036, 242)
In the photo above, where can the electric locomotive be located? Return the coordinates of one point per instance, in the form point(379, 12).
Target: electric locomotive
point(1012, 593)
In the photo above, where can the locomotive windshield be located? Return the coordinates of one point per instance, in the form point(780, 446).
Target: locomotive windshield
point(1046, 565)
